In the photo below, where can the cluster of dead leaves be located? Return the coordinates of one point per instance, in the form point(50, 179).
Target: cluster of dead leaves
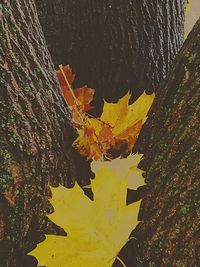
point(117, 127)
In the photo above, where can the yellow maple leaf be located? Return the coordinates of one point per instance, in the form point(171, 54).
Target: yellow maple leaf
point(121, 115)
point(98, 229)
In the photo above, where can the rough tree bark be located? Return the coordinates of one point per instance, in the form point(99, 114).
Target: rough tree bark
point(169, 234)
point(35, 133)
point(114, 46)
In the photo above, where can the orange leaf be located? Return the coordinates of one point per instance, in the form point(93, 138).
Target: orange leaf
point(68, 73)
point(80, 97)
point(88, 107)
point(68, 96)
point(84, 94)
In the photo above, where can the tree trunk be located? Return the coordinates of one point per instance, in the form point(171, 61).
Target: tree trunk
point(35, 134)
point(170, 213)
point(114, 46)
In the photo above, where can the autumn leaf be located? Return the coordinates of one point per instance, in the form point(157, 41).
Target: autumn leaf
point(121, 115)
point(98, 229)
point(79, 97)
point(68, 74)
point(85, 96)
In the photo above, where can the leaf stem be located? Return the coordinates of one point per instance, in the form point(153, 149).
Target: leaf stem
point(123, 264)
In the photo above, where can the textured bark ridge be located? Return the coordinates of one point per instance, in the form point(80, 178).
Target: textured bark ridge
point(169, 234)
point(35, 135)
point(114, 46)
